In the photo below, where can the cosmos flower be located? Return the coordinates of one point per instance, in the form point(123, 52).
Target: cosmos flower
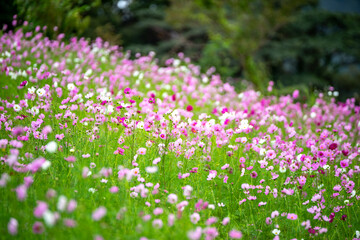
point(13, 226)
point(234, 234)
point(195, 218)
point(99, 213)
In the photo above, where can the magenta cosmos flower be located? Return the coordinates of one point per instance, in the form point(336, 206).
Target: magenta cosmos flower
point(38, 228)
point(254, 174)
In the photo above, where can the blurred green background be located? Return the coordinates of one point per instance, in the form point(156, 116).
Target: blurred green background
point(305, 44)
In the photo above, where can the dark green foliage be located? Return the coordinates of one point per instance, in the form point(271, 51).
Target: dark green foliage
point(317, 49)
point(7, 11)
point(70, 16)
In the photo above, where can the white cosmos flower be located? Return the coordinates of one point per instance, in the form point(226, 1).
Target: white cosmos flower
point(276, 232)
point(140, 125)
point(49, 218)
point(152, 169)
point(17, 108)
point(51, 147)
point(262, 151)
point(326, 167)
point(31, 90)
point(34, 110)
point(88, 73)
point(61, 204)
point(46, 165)
point(89, 95)
point(40, 92)
point(70, 86)
point(242, 172)
point(282, 169)
point(353, 193)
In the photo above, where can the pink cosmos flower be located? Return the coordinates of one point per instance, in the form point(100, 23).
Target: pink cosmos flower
point(71, 223)
point(127, 90)
point(13, 226)
point(333, 146)
point(146, 217)
point(226, 178)
point(292, 216)
point(98, 237)
point(195, 218)
point(234, 234)
point(23, 83)
point(141, 151)
point(40, 209)
point(274, 214)
point(38, 228)
point(302, 180)
point(157, 223)
point(225, 166)
point(271, 154)
point(296, 94)
point(156, 160)
point(211, 221)
point(114, 189)
point(344, 163)
point(195, 234)
point(211, 233)
point(162, 135)
point(262, 204)
point(70, 159)
point(71, 206)
point(59, 136)
point(158, 211)
point(21, 192)
point(225, 221)
point(212, 174)
point(172, 198)
point(171, 220)
point(99, 213)
point(120, 151)
point(28, 181)
point(86, 172)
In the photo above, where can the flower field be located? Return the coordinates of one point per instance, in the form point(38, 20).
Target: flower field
point(96, 145)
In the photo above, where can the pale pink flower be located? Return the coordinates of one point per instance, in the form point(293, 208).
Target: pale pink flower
point(98, 213)
point(13, 226)
point(234, 234)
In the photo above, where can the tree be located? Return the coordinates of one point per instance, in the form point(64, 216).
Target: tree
point(69, 16)
point(317, 49)
point(238, 28)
